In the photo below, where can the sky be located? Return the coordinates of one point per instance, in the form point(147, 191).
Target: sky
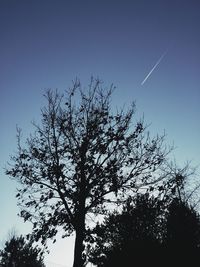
point(148, 49)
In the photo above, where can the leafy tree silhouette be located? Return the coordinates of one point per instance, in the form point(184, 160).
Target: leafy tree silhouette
point(122, 236)
point(18, 252)
point(182, 240)
point(183, 226)
point(82, 157)
point(146, 233)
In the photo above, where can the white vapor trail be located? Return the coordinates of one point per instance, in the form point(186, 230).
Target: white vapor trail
point(157, 63)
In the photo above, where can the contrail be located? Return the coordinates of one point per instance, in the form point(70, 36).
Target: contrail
point(157, 63)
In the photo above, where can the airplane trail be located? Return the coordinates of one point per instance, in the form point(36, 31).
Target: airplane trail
point(157, 63)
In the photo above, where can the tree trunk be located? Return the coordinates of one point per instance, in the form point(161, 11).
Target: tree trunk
point(80, 222)
point(78, 248)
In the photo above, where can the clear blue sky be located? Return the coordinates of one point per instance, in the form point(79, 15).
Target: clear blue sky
point(47, 43)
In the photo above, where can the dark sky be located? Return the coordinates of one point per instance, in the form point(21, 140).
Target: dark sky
point(46, 44)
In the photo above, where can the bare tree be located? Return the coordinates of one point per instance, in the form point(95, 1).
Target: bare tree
point(182, 182)
point(81, 157)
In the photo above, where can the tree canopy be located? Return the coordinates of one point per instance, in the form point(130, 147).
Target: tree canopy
point(80, 158)
point(18, 252)
point(148, 230)
point(122, 235)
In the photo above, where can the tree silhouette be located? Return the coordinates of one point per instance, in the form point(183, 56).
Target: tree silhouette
point(82, 157)
point(123, 236)
point(148, 231)
point(183, 226)
point(19, 253)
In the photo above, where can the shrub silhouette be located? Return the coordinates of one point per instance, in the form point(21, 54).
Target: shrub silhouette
point(19, 253)
point(148, 232)
point(183, 226)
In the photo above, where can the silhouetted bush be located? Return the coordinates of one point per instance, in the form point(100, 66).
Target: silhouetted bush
point(19, 253)
point(148, 231)
point(183, 226)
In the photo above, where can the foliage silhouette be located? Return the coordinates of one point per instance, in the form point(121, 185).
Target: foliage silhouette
point(147, 231)
point(19, 253)
point(182, 240)
point(123, 235)
point(82, 157)
point(183, 226)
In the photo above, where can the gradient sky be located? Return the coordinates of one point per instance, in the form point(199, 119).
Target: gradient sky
point(47, 43)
